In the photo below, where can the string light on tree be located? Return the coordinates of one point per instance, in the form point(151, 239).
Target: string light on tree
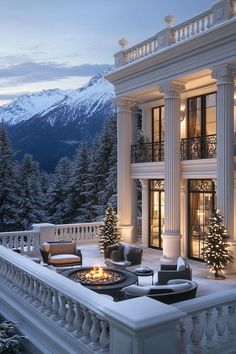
point(109, 234)
point(215, 251)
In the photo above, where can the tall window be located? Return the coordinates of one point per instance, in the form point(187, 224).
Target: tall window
point(158, 128)
point(202, 115)
point(156, 215)
point(201, 200)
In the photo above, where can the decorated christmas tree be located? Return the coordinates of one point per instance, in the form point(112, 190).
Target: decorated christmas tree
point(109, 234)
point(215, 251)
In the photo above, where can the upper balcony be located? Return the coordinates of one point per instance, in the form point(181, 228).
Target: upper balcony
point(200, 147)
point(219, 12)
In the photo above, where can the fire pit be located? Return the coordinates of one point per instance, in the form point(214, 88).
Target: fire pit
point(102, 280)
point(97, 276)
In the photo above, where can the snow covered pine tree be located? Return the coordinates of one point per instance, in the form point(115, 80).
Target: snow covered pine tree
point(109, 234)
point(215, 252)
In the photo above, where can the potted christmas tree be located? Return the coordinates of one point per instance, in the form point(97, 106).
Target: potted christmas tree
point(109, 234)
point(215, 251)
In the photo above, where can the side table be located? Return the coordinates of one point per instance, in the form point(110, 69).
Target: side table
point(144, 272)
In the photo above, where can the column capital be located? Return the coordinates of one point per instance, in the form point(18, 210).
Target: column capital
point(123, 103)
point(172, 89)
point(144, 183)
point(224, 73)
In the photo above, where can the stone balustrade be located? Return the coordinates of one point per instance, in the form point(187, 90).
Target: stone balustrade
point(82, 231)
point(220, 11)
point(24, 241)
point(210, 324)
point(71, 311)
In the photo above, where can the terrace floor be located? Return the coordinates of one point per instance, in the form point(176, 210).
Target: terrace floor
point(151, 258)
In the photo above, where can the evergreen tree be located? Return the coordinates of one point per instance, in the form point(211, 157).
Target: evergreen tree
point(109, 234)
point(58, 193)
point(9, 200)
point(78, 190)
point(31, 196)
point(215, 252)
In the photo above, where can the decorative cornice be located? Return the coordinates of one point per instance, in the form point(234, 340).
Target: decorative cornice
point(123, 103)
point(172, 89)
point(144, 183)
point(224, 73)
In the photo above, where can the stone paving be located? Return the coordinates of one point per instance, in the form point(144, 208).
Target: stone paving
point(151, 258)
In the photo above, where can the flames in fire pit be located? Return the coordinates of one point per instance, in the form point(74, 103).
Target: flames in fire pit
point(98, 276)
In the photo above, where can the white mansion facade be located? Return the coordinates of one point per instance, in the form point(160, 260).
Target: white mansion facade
point(182, 79)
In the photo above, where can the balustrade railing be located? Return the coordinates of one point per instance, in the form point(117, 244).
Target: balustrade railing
point(71, 309)
point(82, 231)
point(24, 241)
point(199, 147)
point(210, 324)
point(178, 34)
point(148, 152)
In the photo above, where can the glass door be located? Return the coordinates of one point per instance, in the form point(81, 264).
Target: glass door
point(201, 201)
point(156, 214)
point(158, 133)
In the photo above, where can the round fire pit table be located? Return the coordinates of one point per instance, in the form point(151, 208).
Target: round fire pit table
point(122, 278)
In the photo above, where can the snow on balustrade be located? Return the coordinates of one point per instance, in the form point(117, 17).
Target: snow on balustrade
point(81, 231)
point(210, 324)
point(178, 34)
point(24, 241)
point(73, 310)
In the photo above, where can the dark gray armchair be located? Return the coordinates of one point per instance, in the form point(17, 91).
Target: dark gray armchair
point(181, 270)
point(122, 255)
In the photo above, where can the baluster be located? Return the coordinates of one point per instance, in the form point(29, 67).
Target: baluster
point(70, 315)
point(197, 26)
point(210, 328)
point(28, 243)
point(182, 337)
point(220, 323)
point(62, 310)
point(25, 285)
point(197, 334)
point(36, 291)
point(203, 24)
point(86, 326)
point(78, 320)
point(188, 31)
point(43, 297)
point(104, 339)
point(49, 302)
point(95, 331)
point(55, 305)
point(209, 21)
point(31, 287)
point(231, 324)
point(184, 33)
point(21, 243)
point(40, 293)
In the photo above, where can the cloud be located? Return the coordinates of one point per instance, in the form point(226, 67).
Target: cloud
point(29, 71)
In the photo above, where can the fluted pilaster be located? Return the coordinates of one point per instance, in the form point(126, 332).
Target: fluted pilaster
point(224, 74)
point(171, 236)
point(145, 212)
point(125, 185)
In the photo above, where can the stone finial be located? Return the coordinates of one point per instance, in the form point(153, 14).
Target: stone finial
point(123, 43)
point(169, 20)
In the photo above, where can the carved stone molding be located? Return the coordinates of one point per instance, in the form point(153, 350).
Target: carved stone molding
point(224, 73)
point(172, 88)
point(123, 103)
point(144, 183)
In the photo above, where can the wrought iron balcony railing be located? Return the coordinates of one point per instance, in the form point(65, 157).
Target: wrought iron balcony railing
point(201, 147)
point(148, 152)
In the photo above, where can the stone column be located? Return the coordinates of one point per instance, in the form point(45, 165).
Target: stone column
point(125, 185)
point(224, 74)
point(171, 236)
point(146, 121)
point(145, 215)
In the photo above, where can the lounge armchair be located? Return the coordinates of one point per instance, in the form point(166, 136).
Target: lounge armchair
point(123, 255)
point(181, 270)
point(61, 254)
point(175, 291)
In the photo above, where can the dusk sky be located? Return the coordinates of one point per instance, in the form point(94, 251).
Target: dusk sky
point(62, 43)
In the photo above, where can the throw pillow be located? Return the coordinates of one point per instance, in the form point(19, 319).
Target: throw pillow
point(180, 264)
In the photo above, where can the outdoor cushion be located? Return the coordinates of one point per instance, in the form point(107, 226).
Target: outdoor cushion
point(136, 290)
point(64, 259)
point(181, 265)
point(116, 256)
point(66, 248)
point(121, 265)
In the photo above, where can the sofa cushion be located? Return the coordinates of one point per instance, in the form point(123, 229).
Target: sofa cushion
point(115, 256)
point(62, 248)
point(61, 259)
point(121, 265)
point(136, 290)
point(181, 265)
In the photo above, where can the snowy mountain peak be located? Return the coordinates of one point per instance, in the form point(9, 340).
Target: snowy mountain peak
point(87, 99)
